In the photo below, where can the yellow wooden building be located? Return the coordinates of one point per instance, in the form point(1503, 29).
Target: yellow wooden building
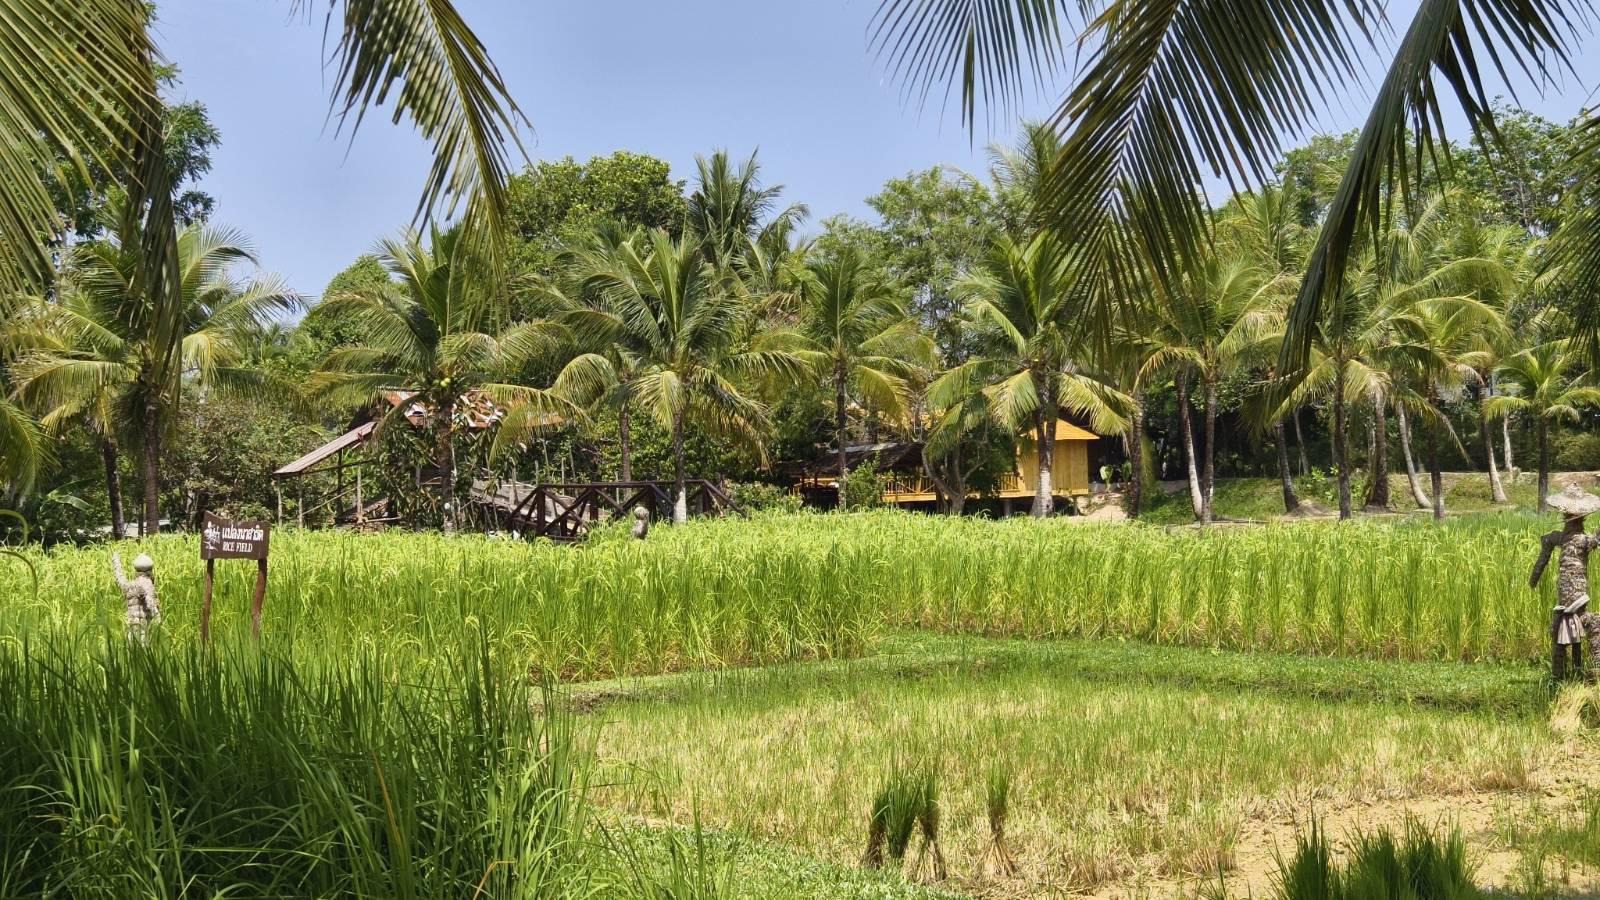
point(1070, 475)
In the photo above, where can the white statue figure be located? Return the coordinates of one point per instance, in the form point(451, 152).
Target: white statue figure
point(641, 522)
point(144, 611)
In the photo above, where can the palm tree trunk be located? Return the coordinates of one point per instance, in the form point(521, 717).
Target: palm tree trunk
point(1341, 450)
point(150, 523)
point(839, 425)
point(1188, 440)
point(1435, 474)
point(1044, 500)
point(680, 497)
point(1378, 493)
point(1544, 464)
point(1300, 444)
point(1136, 458)
point(1417, 493)
point(108, 456)
point(1505, 434)
point(1497, 490)
point(1208, 486)
point(625, 441)
point(1290, 501)
point(444, 460)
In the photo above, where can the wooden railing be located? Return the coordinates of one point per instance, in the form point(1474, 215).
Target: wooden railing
point(565, 512)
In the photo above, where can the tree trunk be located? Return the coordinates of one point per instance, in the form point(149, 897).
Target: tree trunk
point(1505, 434)
point(1544, 464)
point(1341, 450)
point(1208, 485)
point(839, 425)
point(680, 496)
point(1044, 501)
point(1300, 444)
point(1135, 486)
point(1417, 493)
point(625, 441)
point(444, 461)
point(1435, 474)
point(1378, 494)
point(1497, 490)
point(151, 521)
point(1291, 503)
point(108, 458)
point(1195, 496)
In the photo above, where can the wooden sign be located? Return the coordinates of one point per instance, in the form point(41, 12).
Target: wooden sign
point(232, 539)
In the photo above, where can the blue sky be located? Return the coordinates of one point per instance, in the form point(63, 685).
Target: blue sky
point(794, 79)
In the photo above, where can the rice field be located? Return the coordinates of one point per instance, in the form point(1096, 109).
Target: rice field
point(736, 592)
point(1113, 777)
point(710, 713)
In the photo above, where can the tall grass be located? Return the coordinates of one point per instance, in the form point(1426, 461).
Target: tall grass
point(736, 591)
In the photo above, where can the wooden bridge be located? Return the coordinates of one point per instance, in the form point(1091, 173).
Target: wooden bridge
point(566, 512)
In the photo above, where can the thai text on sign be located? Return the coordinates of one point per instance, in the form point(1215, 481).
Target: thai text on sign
point(231, 539)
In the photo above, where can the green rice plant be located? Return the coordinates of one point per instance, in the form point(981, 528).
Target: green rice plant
point(997, 803)
point(1419, 865)
point(223, 771)
point(928, 815)
point(729, 593)
point(893, 817)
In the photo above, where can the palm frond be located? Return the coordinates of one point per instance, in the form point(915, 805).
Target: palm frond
point(443, 80)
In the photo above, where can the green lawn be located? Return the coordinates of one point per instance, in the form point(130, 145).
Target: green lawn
point(1261, 499)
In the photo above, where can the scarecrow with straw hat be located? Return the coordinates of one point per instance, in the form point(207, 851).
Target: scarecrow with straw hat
point(1571, 619)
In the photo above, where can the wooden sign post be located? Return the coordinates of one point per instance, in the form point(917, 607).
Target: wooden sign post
point(231, 539)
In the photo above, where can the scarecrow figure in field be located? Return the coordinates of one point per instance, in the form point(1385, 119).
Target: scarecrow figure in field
point(1571, 621)
point(641, 522)
point(144, 612)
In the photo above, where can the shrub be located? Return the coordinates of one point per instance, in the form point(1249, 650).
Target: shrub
point(863, 487)
point(1576, 452)
point(757, 496)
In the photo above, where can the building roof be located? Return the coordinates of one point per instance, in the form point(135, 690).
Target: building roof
point(1066, 431)
point(351, 438)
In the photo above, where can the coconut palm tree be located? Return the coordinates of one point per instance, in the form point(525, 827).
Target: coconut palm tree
point(419, 56)
point(1437, 347)
point(1027, 305)
point(100, 356)
point(678, 314)
point(1540, 382)
point(24, 451)
point(1265, 226)
point(730, 209)
point(1203, 328)
point(428, 331)
point(863, 339)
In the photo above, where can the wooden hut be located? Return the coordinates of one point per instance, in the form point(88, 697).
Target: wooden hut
point(906, 485)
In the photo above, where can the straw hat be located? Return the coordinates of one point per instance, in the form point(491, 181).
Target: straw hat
point(1575, 501)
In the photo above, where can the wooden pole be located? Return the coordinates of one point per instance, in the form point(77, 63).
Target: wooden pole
point(301, 511)
point(339, 461)
point(361, 506)
point(205, 605)
point(260, 596)
point(277, 488)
